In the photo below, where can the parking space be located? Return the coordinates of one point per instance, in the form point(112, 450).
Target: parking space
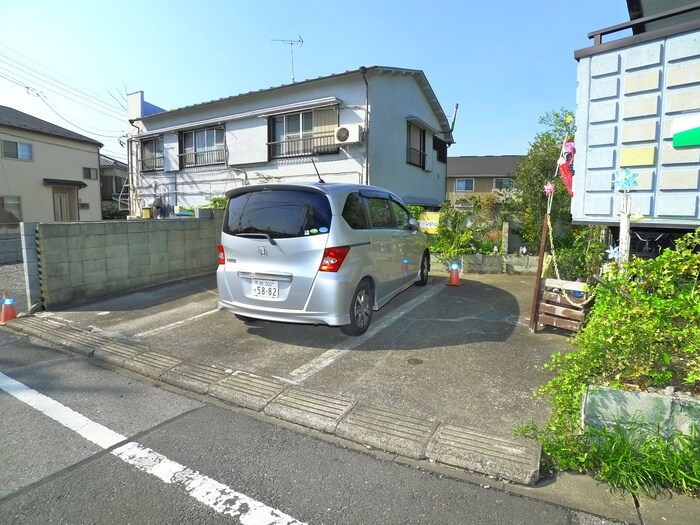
point(455, 353)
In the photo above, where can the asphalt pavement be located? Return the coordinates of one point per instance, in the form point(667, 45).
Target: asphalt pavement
point(440, 380)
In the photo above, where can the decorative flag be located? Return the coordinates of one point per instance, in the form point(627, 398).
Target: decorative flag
point(566, 165)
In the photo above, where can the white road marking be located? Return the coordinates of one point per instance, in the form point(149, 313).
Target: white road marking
point(221, 498)
point(328, 357)
point(175, 324)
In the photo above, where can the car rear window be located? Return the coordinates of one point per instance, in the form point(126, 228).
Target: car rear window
point(278, 213)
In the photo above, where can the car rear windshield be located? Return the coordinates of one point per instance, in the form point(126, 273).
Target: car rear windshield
point(278, 214)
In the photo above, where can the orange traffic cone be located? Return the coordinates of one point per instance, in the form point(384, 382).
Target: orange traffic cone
point(8, 309)
point(454, 275)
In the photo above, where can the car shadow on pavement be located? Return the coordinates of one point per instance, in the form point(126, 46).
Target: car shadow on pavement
point(453, 315)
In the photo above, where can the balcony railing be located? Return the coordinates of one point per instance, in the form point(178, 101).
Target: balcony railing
point(151, 164)
point(203, 158)
point(416, 157)
point(316, 145)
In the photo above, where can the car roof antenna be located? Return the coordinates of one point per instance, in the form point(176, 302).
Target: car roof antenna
point(317, 173)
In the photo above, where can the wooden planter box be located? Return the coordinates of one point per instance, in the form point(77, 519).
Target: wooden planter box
point(562, 304)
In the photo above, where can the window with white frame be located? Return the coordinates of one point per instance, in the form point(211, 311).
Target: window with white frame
point(90, 173)
point(202, 147)
point(502, 183)
point(303, 133)
point(17, 150)
point(152, 154)
point(464, 185)
point(415, 145)
point(10, 209)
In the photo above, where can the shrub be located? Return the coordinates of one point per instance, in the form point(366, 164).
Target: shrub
point(643, 330)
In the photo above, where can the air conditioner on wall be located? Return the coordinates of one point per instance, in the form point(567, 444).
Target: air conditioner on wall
point(349, 134)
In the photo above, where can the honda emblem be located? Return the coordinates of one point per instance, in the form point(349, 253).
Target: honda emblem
point(262, 251)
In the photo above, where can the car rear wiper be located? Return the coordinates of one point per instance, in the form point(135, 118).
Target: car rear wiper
point(258, 234)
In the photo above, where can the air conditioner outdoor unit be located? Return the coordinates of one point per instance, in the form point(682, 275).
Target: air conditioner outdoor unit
point(350, 134)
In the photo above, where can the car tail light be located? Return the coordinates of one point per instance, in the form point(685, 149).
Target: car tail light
point(333, 258)
point(222, 255)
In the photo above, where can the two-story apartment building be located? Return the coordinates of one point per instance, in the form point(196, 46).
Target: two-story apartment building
point(374, 125)
point(638, 109)
point(474, 176)
point(48, 173)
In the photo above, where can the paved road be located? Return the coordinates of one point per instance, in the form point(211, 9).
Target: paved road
point(81, 444)
point(446, 357)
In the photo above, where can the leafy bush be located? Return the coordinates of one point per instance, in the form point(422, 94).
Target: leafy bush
point(643, 330)
point(583, 257)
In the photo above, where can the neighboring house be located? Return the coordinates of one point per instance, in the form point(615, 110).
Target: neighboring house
point(48, 173)
point(638, 108)
point(375, 125)
point(471, 176)
point(114, 190)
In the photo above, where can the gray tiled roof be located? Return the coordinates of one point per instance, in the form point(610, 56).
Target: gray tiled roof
point(482, 166)
point(109, 162)
point(12, 118)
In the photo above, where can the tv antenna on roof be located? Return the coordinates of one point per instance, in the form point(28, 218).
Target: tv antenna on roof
point(291, 43)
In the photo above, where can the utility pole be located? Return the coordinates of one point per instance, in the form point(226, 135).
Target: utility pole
point(291, 43)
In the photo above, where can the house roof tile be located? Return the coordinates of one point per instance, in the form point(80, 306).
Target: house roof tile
point(482, 166)
point(13, 118)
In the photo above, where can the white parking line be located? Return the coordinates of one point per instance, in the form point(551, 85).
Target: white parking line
point(206, 490)
point(175, 324)
point(319, 363)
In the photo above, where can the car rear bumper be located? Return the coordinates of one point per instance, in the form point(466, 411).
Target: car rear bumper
point(328, 303)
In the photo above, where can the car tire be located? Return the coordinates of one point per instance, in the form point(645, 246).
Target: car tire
point(423, 270)
point(360, 310)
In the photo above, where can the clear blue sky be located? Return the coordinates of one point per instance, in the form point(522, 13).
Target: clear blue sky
point(505, 63)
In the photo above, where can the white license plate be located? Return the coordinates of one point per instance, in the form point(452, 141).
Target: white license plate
point(264, 289)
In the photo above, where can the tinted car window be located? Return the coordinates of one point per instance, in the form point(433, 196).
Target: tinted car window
point(380, 213)
point(403, 217)
point(354, 212)
point(279, 213)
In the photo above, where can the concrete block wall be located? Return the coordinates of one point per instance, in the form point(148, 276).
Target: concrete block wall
point(86, 260)
point(10, 248)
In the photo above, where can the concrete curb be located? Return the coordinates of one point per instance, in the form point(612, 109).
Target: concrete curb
point(513, 459)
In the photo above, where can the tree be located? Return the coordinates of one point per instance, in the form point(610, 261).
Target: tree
point(537, 168)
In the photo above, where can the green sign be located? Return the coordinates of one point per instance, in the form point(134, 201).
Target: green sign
point(687, 138)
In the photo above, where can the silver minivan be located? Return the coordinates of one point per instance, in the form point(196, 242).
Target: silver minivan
point(317, 253)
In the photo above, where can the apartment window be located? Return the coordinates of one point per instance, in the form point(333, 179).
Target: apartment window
point(152, 154)
point(464, 185)
point(304, 133)
point(17, 150)
point(415, 141)
point(202, 147)
point(502, 183)
point(90, 173)
point(10, 209)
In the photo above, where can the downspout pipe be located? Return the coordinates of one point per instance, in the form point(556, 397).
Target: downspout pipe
point(363, 72)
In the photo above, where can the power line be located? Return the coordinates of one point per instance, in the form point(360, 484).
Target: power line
point(30, 79)
point(41, 97)
point(56, 78)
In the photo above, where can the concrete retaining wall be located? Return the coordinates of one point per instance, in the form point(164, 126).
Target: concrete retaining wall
point(86, 260)
point(512, 264)
point(606, 407)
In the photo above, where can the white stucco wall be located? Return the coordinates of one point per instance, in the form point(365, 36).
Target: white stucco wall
point(394, 98)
